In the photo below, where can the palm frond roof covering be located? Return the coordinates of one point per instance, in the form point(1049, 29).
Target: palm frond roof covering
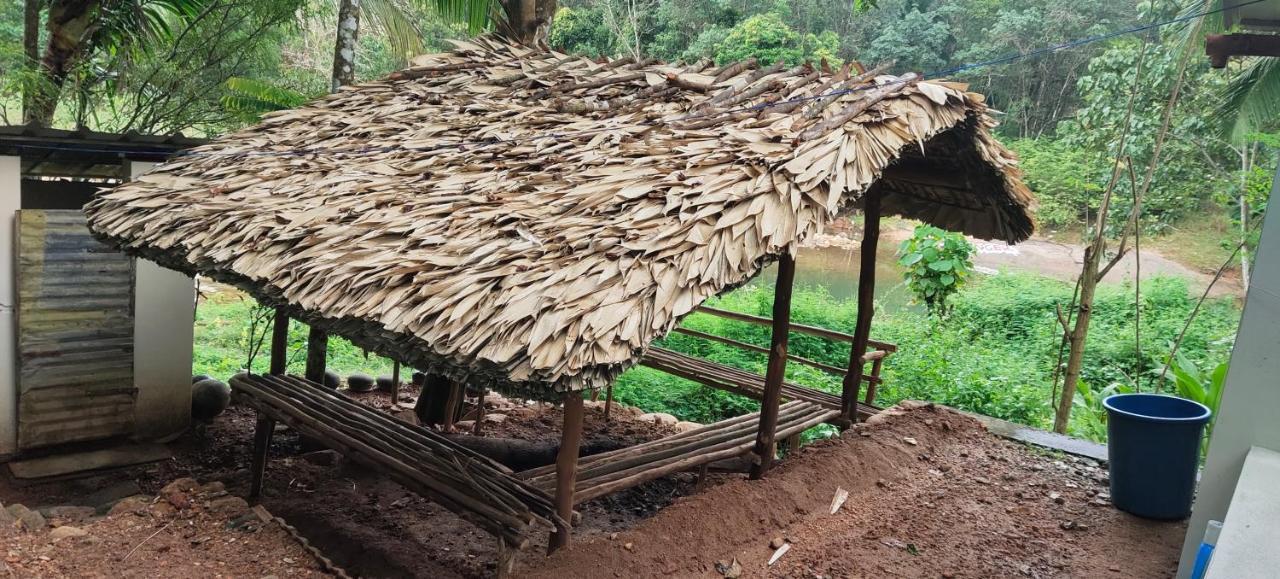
point(531, 221)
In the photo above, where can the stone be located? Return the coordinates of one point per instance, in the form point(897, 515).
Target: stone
point(136, 504)
point(6, 518)
point(332, 379)
point(686, 426)
point(230, 506)
point(163, 509)
point(384, 382)
point(209, 398)
point(730, 569)
point(465, 425)
point(29, 519)
point(910, 440)
point(777, 543)
point(360, 382)
point(629, 546)
point(67, 513)
point(67, 532)
point(213, 487)
point(495, 418)
point(658, 418)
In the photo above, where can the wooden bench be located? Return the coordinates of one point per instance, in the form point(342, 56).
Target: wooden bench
point(738, 381)
point(609, 472)
point(473, 486)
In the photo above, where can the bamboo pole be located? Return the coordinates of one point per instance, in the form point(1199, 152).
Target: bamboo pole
point(608, 401)
point(797, 328)
point(866, 306)
point(777, 368)
point(566, 468)
point(395, 382)
point(279, 343)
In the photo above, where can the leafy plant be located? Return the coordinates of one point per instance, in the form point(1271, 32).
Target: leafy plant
point(937, 264)
point(1195, 386)
point(1089, 418)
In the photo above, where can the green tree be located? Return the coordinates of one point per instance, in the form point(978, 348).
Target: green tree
point(937, 264)
point(767, 38)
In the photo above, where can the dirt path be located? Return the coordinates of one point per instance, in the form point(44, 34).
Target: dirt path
point(931, 495)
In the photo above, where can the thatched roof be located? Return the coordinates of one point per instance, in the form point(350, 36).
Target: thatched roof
point(533, 221)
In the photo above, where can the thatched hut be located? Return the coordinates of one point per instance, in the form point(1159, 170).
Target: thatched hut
point(532, 221)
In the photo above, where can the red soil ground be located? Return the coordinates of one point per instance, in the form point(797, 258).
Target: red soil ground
point(959, 502)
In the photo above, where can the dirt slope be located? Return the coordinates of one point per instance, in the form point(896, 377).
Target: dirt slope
point(931, 495)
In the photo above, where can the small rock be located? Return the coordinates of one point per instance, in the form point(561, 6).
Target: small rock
point(360, 382)
point(464, 425)
point(30, 520)
point(6, 517)
point(184, 484)
point(66, 532)
point(884, 484)
point(216, 486)
point(1057, 498)
point(230, 506)
point(729, 569)
point(982, 480)
point(629, 546)
point(495, 418)
point(163, 509)
point(777, 543)
point(910, 440)
point(107, 497)
point(332, 379)
point(686, 426)
point(613, 536)
point(134, 504)
point(658, 418)
point(178, 499)
point(67, 513)
point(385, 382)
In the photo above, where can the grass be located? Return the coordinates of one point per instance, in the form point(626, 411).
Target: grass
point(1202, 243)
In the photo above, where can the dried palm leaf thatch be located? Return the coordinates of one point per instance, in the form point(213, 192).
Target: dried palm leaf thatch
point(532, 221)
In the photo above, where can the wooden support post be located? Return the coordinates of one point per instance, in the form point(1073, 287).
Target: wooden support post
point(777, 368)
point(280, 343)
point(608, 401)
point(793, 443)
point(475, 428)
point(567, 467)
point(866, 306)
point(261, 443)
point(317, 351)
point(702, 478)
point(874, 381)
point(453, 405)
point(395, 382)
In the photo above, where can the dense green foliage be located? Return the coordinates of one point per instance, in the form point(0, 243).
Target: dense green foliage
point(994, 354)
point(935, 264)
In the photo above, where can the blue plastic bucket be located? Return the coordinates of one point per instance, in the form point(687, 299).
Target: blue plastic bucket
point(1153, 446)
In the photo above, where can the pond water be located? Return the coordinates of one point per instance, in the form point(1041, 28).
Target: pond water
point(836, 269)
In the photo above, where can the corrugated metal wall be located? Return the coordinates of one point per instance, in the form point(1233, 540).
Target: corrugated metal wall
point(75, 332)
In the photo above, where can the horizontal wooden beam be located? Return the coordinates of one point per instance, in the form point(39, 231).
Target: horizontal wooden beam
point(876, 355)
point(798, 328)
point(1221, 47)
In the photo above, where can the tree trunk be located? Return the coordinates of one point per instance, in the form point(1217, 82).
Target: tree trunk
point(30, 52)
point(69, 25)
point(528, 21)
point(344, 46)
point(1075, 360)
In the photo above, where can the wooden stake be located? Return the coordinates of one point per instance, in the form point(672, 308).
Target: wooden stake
point(567, 468)
point(261, 442)
point(395, 382)
point(777, 368)
point(866, 306)
point(279, 343)
point(608, 401)
point(317, 351)
point(875, 379)
point(506, 559)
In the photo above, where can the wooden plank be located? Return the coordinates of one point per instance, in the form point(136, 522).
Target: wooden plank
point(777, 368)
point(755, 348)
point(797, 328)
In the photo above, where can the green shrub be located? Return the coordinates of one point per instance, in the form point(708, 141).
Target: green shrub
point(936, 263)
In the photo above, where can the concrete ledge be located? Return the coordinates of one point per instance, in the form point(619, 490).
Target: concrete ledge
point(1026, 434)
point(1247, 546)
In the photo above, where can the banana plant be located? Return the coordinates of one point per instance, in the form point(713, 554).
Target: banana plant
point(1090, 418)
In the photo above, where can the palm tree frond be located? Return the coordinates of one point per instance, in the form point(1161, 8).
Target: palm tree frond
point(478, 15)
point(397, 24)
point(1251, 101)
point(251, 98)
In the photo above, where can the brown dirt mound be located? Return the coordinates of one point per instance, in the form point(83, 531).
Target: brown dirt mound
point(931, 494)
point(190, 530)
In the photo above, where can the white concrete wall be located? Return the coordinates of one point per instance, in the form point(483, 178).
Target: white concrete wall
point(10, 202)
point(164, 326)
point(1249, 414)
